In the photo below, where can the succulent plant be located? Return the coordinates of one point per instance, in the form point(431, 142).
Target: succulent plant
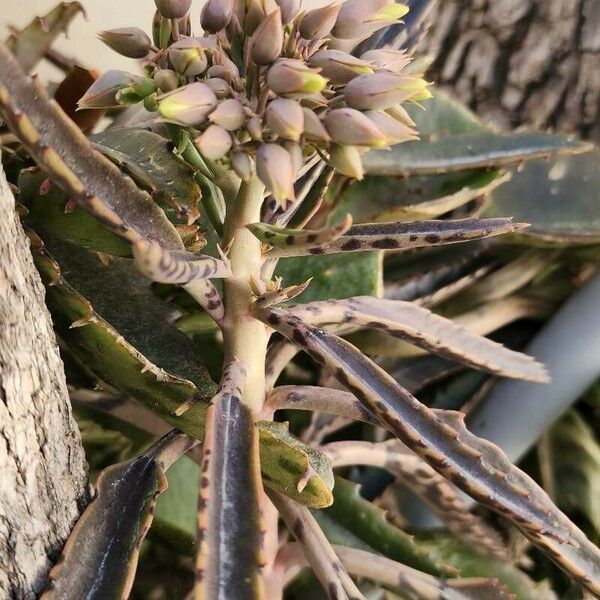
point(260, 176)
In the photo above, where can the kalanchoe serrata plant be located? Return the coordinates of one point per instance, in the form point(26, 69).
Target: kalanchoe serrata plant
point(234, 152)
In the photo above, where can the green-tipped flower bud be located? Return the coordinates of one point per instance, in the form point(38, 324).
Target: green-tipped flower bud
point(214, 143)
point(318, 23)
point(347, 161)
point(360, 18)
point(173, 9)
point(131, 42)
point(267, 41)
point(339, 67)
point(295, 151)
point(382, 90)
point(166, 80)
point(285, 118)
point(313, 127)
point(188, 57)
point(243, 165)
point(139, 89)
point(189, 105)
point(275, 169)
point(385, 58)
point(216, 15)
point(255, 129)
point(103, 92)
point(350, 127)
point(396, 132)
point(289, 9)
point(292, 77)
point(230, 115)
point(219, 86)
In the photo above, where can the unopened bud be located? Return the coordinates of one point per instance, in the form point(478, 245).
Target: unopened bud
point(350, 127)
point(188, 57)
point(360, 18)
point(339, 67)
point(243, 165)
point(275, 169)
point(173, 9)
point(162, 30)
point(396, 132)
point(230, 114)
point(385, 58)
point(382, 90)
point(285, 118)
point(313, 127)
point(216, 15)
point(189, 105)
point(255, 128)
point(256, 11)
point(319, 22)
point(295, 151)
point(131, 42)
point(214, 143)
point(166, 80)
point(289, 9)
point(103, 92)
point(347, 161)
point(267, 41)
point(219, 86)
point(289, 76)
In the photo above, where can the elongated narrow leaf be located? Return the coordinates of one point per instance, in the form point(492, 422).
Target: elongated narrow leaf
point(229, 524)
point(100, 558)
point(30, 44)
point(279, 237)
point(426, 330)
point(477, 467)
point(469, 151)
point(318, 551)
point(440, 495)
point(402, 236)
point(65, 154)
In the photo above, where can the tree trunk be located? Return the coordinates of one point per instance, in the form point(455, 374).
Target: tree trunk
point(521, 62)
point(43, 473)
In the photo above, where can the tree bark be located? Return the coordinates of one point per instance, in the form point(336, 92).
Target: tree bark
point(43, 473)
point(521, 62)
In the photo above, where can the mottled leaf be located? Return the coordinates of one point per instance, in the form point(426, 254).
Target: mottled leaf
point(30, 44)
point(100, 557)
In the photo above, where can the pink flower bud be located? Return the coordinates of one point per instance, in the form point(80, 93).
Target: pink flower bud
point(347, 161)
point(166, 80)
point(255, 128)
point(386, 58)
point(188, 57)
point(314, 128)
point(318, 23)
point(382, 90)
point(230, 114)
point(103, 93)
point(275, 169)
point(243, 165)
point(189, 105)
point(295, 151)
point(173, 9)
point(339, 67)
point(349, 127)
point(267, 41)
point(219, 86)
point(285, 118)
point(360, 18)
point(131, 42)
point(289, 9)
point(214, 143)
point(396, 132)
point(216, 15)
point(289, 76)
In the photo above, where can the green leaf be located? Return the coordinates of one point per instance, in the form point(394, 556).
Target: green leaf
point(30, 44)
point(336, 276)
point(469, 151)
point(572, 455)
point(560, 198)
point(149, 159)
point(48, 216)
point(368, 523)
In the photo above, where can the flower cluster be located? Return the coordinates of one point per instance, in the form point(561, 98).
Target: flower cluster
point(269, 86)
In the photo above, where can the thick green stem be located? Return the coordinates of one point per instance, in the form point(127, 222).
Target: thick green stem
point(245, 338)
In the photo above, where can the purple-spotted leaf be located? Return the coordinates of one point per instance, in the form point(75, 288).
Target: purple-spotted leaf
point(426, 330)
point(229, 523)
point(100, 557)
point(403, 236)
point(476, 466)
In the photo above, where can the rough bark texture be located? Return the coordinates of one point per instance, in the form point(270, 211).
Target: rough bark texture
point(43, 473)
point(521, 62)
